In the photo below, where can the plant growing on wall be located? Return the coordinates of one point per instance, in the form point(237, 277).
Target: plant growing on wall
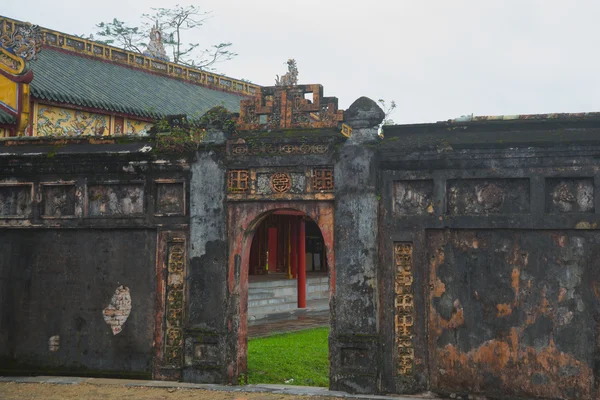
point(173, 23)
point(178, 135)
point(388, 109)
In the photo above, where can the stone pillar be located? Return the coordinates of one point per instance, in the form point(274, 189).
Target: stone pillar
point(206, 348)
point(354, 338)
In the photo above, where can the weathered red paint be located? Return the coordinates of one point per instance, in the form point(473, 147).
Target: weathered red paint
point(243, 220)
point(163, 239)
point(159, 302)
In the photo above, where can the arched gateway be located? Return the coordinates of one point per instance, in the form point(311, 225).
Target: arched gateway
point(291, 157)
point(462, 254)
point(244, 219)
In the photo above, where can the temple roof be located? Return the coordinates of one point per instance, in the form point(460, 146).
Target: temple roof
point(66, 77)
point(6, 118)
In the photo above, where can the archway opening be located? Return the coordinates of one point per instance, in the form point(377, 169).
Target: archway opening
point(288, 301)
point(287, 269)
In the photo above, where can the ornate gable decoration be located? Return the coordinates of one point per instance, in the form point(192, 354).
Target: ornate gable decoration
point(24, 40)
point(286, 107)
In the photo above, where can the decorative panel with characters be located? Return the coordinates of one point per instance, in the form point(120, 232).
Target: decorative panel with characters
point(302, 183)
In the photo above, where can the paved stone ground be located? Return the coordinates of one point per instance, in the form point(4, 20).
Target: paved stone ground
point(284, 326)
point(69, 388)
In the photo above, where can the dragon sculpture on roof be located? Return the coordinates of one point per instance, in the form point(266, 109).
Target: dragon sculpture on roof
point(291, 77)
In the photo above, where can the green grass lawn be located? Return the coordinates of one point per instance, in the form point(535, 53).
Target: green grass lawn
point(301, 356)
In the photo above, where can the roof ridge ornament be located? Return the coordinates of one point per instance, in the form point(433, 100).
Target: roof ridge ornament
point(291, 77)
point(155, 48)
point(289, 107)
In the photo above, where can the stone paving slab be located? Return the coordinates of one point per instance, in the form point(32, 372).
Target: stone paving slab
point(272, 389)
point(293, 325)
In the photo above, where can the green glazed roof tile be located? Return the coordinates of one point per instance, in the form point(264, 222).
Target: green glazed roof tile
point(68, 78)
point(6, 118)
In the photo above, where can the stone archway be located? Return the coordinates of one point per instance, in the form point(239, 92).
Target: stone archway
point(244, 218)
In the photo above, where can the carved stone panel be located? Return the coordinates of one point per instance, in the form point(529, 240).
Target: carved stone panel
point(117, 200)
point(59, 201)
point(206, 352)
point(243, 149)
point(564, 195)
point(300, 182)
point(405, 309)
point(175, 304)
point(170, 198)
point(353, 357)
point(237, 180)
point(15, 200)
point(280, 182)
point(413, 197)
point(488, 196)
point(322, 179)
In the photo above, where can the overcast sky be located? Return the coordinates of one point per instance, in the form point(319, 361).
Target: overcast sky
point(438, 59)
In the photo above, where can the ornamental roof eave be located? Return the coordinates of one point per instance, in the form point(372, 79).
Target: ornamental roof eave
point(102, 52)
point(7, 118)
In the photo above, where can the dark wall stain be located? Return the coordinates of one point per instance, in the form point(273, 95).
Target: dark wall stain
point(59, 282)
point(207, 274)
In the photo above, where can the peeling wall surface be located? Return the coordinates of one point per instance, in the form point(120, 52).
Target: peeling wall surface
point(501, 222)
point(512, 311)
point(63, 283)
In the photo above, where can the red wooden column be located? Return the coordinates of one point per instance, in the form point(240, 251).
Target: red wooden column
point(302, 265)
point(294, 247)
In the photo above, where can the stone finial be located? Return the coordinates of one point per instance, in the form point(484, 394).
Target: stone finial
point(155, 47)
point(364, 113)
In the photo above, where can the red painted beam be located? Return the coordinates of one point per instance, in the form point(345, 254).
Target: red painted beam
point(302, 265)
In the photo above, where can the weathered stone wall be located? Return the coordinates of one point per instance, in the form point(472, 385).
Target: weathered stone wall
point(462, 255)
point(488, 253)
point(207, 334)
point(92, 257)
point(56, 308)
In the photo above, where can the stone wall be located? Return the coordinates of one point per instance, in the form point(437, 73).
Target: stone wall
point(495, 228)
point(77, 301)
point(92, 258)
point(462, 256)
